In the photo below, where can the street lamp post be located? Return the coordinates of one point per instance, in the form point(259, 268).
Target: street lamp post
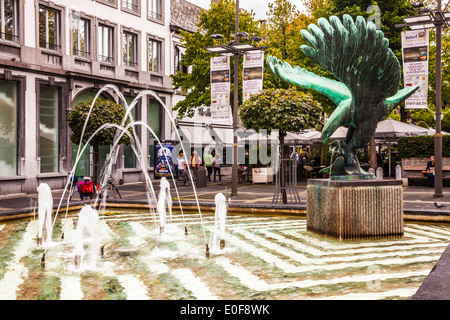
point(435, 18)
point(237, 50)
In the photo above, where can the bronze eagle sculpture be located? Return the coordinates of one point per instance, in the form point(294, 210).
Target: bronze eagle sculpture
point(366, 90)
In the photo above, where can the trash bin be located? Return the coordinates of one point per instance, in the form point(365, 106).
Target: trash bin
point(200, 175)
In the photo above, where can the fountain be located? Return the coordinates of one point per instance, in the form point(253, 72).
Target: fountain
point(351, 204)
point(272, 256)
point(87, 228)
point(164, 199)
point(45, 210)
point(220, 220)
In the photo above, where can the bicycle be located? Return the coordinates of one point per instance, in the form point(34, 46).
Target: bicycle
point(72, 186)
point(111, 186)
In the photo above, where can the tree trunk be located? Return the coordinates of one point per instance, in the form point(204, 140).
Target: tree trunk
point(373, 153)
point(95, 163)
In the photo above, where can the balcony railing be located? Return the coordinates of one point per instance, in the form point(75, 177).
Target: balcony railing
point(9, 37)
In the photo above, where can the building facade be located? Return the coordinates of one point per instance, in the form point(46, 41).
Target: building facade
point(55, 54)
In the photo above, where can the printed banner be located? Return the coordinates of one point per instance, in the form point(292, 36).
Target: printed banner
point(415, 47)
point(220, 90)
point(164, 161)
point(253, 73)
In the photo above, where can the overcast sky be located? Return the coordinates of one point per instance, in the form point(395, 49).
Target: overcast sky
point(260, 7)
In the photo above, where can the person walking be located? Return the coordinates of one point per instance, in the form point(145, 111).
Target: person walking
point(208, 164)
point(216, 162)
point(182, 168)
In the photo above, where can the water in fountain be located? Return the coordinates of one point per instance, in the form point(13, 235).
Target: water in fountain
point(45, 210)
point(164, 199)
point(220, 221)
point(87, 229)
point(136, 147)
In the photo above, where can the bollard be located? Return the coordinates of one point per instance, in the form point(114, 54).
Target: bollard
point(380, 173)
point(398, 172)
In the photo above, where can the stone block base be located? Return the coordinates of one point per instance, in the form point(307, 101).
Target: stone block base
point(356, 209)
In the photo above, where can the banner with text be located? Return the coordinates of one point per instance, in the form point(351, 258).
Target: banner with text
point(415, 47)
point(220, 90)
point(253, 73)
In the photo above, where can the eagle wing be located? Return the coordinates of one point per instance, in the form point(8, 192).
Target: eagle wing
point(335, 90)
point(358, 55)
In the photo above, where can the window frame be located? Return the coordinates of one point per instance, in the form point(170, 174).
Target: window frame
point(88, 33)
point(111, 42)
point(16, 23)
point(112, 3)
point(151, 39)
point(59, 28)
point(136, 7)
point(62, 127)
point(20, 118)
point(135, 35)
point(150, 17)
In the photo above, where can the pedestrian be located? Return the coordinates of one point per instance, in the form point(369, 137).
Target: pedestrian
point(430, 171)
point(304, 154)
point(182, 168)
point(195, 160)
point(208, 164)
point(216, 162)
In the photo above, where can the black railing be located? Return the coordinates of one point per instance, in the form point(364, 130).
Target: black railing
point(50, 46)
point(130, 6)
point(130, 64)
point(106, 59)
point(155, 15)
point(9, 37)
point(81, 53)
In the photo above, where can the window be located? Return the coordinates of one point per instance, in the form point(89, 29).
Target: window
point(178, 59)
point(49, 29)
point(129, 49)
point(155, 9)
point(8, 128)
point(154, 56)
point(105, 43)
point(48, 128)
point(8, 20)
point(154, 122)
point(80, 36)
point(131, 5)
point(128, 152)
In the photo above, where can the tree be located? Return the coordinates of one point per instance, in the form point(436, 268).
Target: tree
point(220, 19)
point(103, 112)
point(286, 110)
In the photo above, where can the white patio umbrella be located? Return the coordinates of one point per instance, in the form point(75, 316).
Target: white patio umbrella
point(339, 134)
point(307, 137)
point(391, 129)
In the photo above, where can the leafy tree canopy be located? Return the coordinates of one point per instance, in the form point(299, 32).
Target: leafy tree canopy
point(287, 110)
point(103, 112)
point(220, 19)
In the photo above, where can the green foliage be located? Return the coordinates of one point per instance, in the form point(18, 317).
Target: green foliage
point(421, 147)
point(220, 19)
point(104, 111)
point(287, 110)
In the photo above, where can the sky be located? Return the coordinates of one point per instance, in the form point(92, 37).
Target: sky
point(260, 7)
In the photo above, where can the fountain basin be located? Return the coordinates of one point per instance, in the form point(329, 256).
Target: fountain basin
point(355, 209)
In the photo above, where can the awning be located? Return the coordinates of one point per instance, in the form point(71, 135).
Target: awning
point(204, 136)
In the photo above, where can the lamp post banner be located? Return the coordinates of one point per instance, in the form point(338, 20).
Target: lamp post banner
point(415, 48)
point(220, 90)
point(253, 73)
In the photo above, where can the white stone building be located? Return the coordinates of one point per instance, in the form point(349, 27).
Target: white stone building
point(55, 54)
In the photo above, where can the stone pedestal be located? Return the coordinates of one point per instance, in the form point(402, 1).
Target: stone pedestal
point(355, 209)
